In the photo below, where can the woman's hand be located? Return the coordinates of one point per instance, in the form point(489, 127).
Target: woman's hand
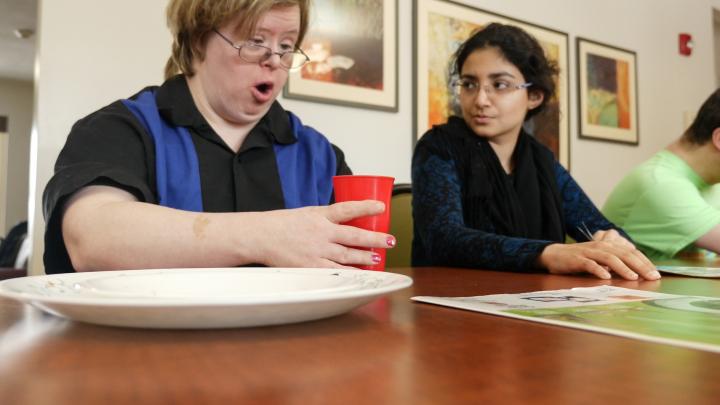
point(313, 236)
point(599, 257)
point(613, 236)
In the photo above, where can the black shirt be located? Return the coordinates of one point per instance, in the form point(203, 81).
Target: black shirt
point(110, 147)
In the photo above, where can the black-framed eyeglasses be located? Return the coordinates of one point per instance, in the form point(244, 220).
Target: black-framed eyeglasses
point(256, 53)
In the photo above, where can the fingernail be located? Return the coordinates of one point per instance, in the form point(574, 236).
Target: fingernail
point(376, 258)
point(655, 274)
point(391, 241)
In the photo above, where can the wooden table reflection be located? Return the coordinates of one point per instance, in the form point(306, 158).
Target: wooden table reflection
point(390, 351)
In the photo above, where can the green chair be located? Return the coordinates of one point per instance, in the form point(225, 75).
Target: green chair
point(401, 225)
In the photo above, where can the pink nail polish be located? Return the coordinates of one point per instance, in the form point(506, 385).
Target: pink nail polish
point(391, 241)
point(376, 258)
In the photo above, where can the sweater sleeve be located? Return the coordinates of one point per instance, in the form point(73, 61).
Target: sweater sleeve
point(440, 229)
point(579, 211)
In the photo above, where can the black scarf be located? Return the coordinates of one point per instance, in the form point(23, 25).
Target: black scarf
point(525, 204)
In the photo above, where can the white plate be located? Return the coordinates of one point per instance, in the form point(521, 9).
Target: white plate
point(203, 298)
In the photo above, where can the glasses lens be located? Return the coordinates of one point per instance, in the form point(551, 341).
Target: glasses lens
point(294, 60)
point(466, 87)
point(253, 53)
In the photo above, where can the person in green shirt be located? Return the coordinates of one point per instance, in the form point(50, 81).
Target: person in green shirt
point(662, 204)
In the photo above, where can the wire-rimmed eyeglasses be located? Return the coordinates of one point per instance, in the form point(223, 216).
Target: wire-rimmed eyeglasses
point(471, 88)
point(256, 53)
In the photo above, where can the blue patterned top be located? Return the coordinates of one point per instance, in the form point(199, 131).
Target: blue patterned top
point(441, 234)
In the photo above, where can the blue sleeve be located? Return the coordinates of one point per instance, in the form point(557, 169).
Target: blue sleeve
point(579, 211)
point(439, 223)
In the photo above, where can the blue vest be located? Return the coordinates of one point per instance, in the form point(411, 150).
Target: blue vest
point(306, 167)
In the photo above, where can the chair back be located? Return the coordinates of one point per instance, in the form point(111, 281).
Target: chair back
point(10, 246)
point(401, 225)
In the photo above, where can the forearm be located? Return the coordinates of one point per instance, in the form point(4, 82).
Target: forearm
point(465, 247)
point(710, 240)
point(105, 228)
point(110, 235)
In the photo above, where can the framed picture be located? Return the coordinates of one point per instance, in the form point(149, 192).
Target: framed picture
point(352, 47)
point(440, 27)
point(607, 92)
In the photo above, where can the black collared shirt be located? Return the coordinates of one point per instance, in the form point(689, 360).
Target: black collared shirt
point(110, 147)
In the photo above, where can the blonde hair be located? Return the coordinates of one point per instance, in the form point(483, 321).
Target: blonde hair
point(190, 21)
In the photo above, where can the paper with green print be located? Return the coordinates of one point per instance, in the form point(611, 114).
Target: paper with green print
point(691, 271)
point(689, 321)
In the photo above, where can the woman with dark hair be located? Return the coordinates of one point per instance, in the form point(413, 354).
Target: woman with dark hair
point(486, 194)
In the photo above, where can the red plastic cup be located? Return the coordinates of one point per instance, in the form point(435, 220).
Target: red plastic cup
point(358, 188)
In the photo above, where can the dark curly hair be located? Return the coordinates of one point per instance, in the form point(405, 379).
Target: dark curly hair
point(519, 48)
point(706, 121)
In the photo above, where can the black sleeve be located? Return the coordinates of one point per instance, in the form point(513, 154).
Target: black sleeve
point(342, 168)
point(108, 147)
point(580, 212)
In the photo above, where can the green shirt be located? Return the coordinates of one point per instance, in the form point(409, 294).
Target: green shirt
point(661, 204)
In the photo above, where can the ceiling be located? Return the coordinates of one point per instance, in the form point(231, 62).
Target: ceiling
point(17, 56)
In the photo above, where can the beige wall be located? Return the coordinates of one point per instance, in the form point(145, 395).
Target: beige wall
point(16, 102)
point(3, 176)
point(91, 52)
point(716, 13)
point(669, 84)
point(112, 49)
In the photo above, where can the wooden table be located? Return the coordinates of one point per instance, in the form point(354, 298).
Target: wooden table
point(392, 351)
point(9, 272)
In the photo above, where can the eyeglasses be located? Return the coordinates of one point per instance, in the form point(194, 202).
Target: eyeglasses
point(256, 53)
point(471, 88)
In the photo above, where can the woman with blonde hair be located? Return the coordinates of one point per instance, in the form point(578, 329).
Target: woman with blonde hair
point(208, 169)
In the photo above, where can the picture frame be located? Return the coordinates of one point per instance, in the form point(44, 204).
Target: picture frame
point(452, 23)
point(607, 92)
point(353, 50)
